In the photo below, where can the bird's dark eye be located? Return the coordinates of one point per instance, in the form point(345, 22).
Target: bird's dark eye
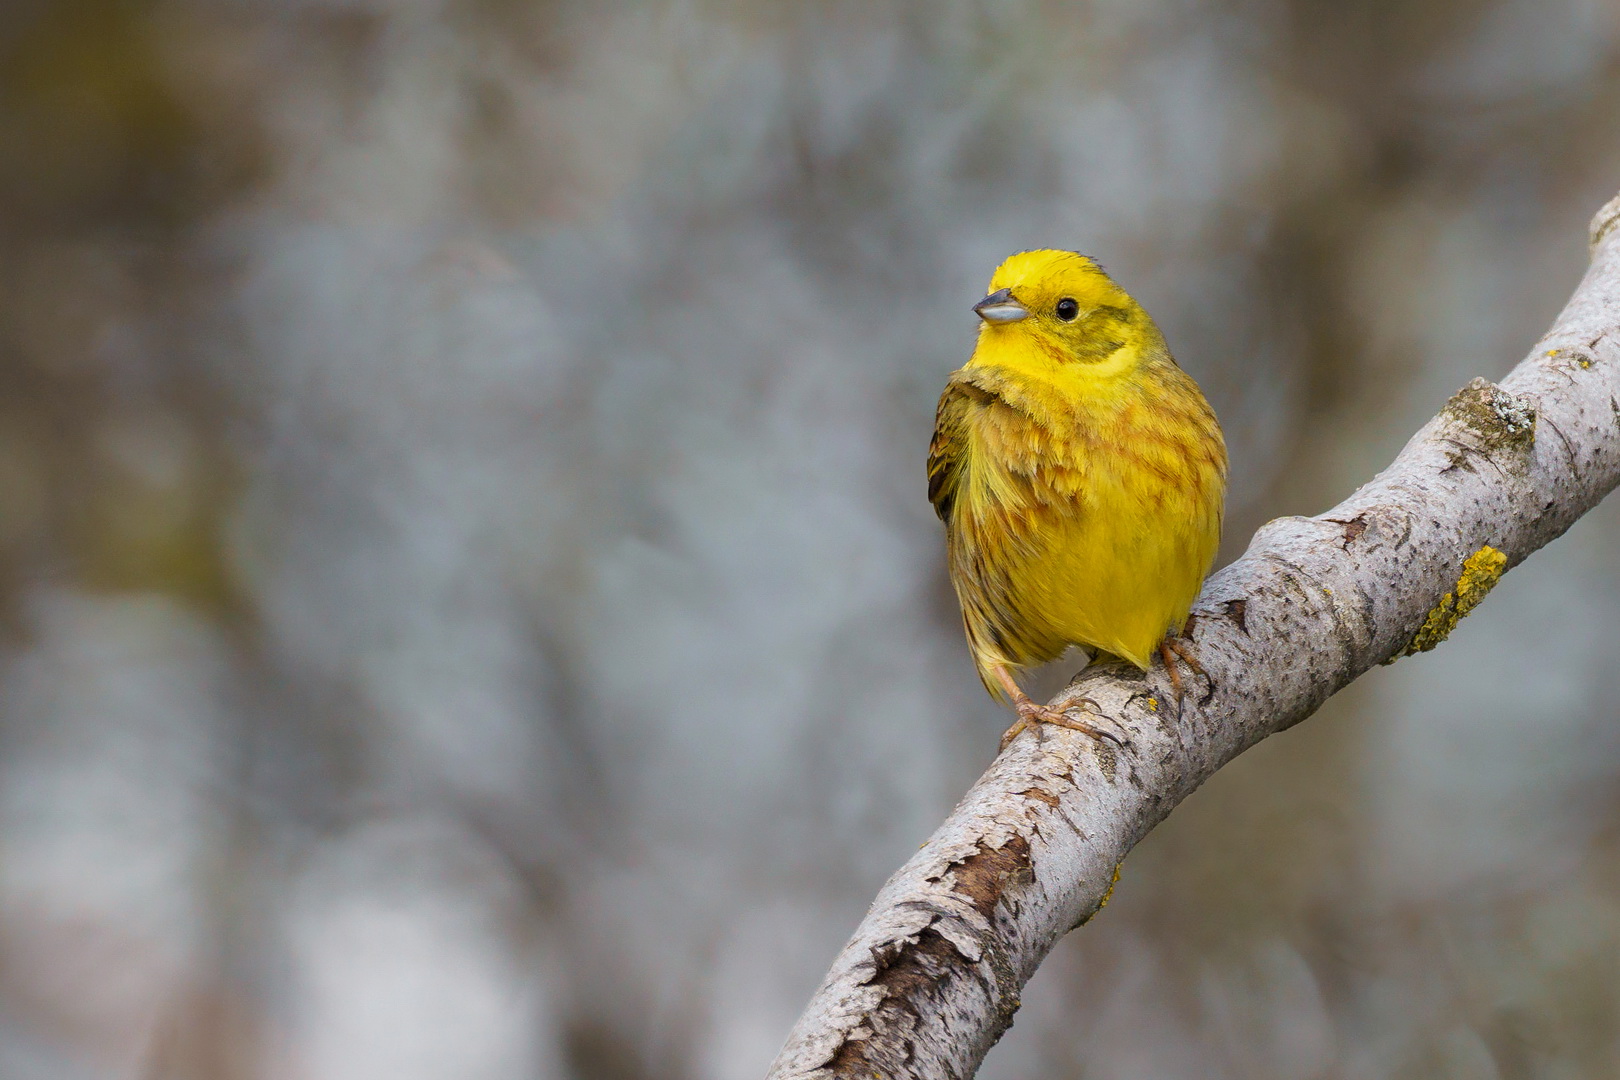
point(1067, 309)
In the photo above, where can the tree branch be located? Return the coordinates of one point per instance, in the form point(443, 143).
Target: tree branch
point(932, 976)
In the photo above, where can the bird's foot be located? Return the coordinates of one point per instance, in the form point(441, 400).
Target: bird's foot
point(1170, 650)
point(1031, 716)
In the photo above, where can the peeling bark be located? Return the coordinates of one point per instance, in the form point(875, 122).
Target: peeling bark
point(932, 976)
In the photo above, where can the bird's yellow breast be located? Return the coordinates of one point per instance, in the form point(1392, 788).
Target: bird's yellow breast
point(1088, 519)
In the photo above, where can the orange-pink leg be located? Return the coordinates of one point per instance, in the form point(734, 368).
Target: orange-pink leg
point(1031, 714)
point(1169, 650)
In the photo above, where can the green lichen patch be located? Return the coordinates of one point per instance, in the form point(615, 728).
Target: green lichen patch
point(1107, 761)
point(1500, 424)
point(1480, 573)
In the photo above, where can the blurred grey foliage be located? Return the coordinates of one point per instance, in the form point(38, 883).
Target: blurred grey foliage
point(470, 605)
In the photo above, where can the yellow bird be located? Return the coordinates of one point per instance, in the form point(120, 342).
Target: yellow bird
point(1081, 477)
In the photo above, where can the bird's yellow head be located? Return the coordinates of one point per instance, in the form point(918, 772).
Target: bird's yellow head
point(1056, 316)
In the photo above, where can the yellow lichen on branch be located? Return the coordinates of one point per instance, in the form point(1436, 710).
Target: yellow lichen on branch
point(1105, 897)
point(1480, 573)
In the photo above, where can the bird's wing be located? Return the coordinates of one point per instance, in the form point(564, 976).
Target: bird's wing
point(947, 453)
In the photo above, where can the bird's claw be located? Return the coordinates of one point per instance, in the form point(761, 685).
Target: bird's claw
point(1170, 650)
point(1032, 716)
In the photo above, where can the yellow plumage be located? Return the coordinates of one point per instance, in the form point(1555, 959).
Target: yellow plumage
point(1079, 472)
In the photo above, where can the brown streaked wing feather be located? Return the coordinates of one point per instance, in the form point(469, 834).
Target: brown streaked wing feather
point(947, 452)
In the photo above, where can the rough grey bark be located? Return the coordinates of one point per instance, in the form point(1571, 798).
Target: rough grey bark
point(932, 976)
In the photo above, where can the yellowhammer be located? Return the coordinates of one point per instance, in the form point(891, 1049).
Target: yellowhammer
point(1080, 474)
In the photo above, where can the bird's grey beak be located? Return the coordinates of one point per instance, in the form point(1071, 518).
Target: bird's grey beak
point(1000, 307)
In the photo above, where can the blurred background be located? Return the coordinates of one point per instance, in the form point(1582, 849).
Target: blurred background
point(468, 604)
